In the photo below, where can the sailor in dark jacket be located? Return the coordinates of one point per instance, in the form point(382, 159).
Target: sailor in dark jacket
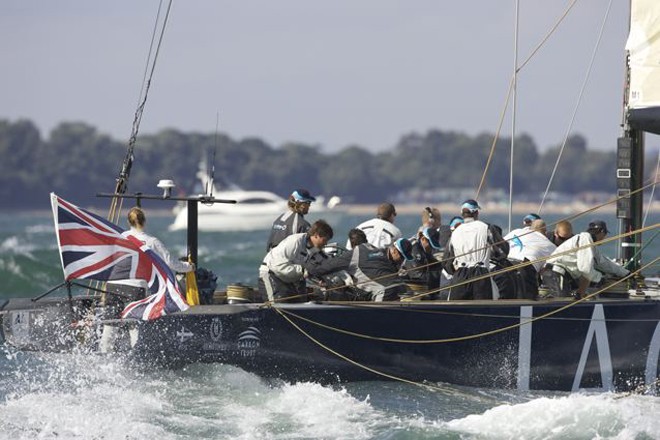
point(424, 269)
point(293, 221)
point(374, 270)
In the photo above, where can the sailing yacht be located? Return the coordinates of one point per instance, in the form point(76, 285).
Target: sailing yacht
point(600, 342)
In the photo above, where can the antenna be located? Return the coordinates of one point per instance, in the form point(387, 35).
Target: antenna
point(212, 166)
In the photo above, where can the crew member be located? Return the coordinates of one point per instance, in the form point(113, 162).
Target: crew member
point(529, 218)
point(576, 270)
point(374, 270)
point(563, 231)
point(282, 274)
point(380, 231)
point(424, 269)
point(121, 292)
point(469, 252)
point(529, 243)
point(292, 221)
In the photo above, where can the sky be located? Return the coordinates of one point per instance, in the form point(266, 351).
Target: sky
point(327, 73)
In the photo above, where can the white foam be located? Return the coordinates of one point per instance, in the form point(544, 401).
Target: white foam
point(44, 228)
point(574, 416)
point(15, 245)
point(303, 410)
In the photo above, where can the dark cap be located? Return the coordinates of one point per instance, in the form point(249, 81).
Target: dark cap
point(598, 225)
point(529, 218)
point(386, 210)
point(471, 205)
point(302, 195)
point(433, 236)
point(405, 248)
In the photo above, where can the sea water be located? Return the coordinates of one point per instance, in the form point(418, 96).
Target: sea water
point(45, 395)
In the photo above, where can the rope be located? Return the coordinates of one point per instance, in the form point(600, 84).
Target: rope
point(358, 364)
point(480, 277)
point(547, 36)
point(538, 260)
point(466, 337)
point(508, 95)
point(573, 217)
point(577, 106)
point(497, 135)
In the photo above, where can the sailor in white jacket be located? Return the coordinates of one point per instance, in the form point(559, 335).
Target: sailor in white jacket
point(119, 292)
point(281, 274)
point(529, 244)
point(576, 270)
point(380, 231)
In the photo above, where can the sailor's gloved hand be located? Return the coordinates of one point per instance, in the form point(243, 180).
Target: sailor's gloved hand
point(403, 273)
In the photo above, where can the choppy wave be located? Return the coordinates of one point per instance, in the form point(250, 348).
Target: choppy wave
point(575, 416)
point(89, 396)
point(92, 397)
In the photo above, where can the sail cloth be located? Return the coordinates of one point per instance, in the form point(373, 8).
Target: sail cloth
point(643, 46)
point(95, 249)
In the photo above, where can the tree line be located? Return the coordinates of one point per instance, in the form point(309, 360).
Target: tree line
point(76, 162)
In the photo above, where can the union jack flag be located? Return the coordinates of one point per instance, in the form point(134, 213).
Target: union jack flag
point(94, 248)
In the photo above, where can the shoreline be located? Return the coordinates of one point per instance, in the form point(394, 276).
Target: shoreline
point(407, 208)
point(518, 208)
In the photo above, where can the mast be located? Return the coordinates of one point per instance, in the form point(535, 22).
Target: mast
point(641, 113)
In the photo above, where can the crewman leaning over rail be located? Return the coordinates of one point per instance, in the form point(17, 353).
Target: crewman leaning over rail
point(282, 274)
point(374, 270)
point(570, 273)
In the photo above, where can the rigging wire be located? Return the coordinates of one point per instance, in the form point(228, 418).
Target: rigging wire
point(577, 106)
point(124, 175)
point(569, 218)
point(479, 335)
point(508, 95)
point(650, 205)
point(514, 108)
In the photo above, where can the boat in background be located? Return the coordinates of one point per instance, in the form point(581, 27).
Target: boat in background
point(253, 210)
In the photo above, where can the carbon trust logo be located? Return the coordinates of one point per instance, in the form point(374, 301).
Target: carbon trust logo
point(249, 341)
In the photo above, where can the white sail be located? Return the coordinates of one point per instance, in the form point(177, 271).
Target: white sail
point(643, 46)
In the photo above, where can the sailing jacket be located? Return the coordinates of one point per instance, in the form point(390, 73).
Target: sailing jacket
point(380, 233)
point(424, 268)
point(587, 262)
point(472, 244)
point(285, 260)
point(524, 243)
point(158, 247)
point(286, 224)
point(371, 269)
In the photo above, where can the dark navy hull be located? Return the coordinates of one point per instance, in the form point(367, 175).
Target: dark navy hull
point(605, 344)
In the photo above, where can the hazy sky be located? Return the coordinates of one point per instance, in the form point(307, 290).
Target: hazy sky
point(331, 73)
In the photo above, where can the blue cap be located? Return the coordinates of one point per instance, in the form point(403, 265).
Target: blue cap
point(529, 218)
point(302, 195)
point(471, 205)
point(433, 236)
point(455, 222)
point(405, 248)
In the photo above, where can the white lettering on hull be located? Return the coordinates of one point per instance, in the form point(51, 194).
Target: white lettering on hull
point(597, 328)
point(651, 375)
point(524, 347)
